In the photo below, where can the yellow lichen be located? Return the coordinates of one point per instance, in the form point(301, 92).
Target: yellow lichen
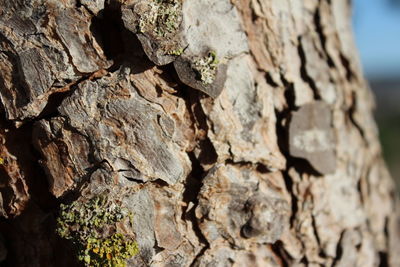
point(84, 224)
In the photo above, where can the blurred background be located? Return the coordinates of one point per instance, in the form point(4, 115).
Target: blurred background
point(377, 30)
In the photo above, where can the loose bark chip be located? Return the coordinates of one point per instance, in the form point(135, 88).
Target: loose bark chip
point(311, 136)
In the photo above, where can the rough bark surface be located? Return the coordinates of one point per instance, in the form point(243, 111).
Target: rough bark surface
point(234, 133)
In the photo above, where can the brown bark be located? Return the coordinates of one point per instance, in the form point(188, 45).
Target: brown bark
point(236, 133)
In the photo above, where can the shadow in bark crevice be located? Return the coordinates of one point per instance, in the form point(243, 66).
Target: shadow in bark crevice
point(206, 156)
point(303, 70)
point(339, 249)
point(289, 93)
point(279, 250)
point(352, 111)
point(190, 195)
point(320, 31)
point(30, 237)
point(118, 43)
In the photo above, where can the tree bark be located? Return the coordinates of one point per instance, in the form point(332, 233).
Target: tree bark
point(189, 133)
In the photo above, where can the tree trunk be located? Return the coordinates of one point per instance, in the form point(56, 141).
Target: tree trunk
point(189, 133)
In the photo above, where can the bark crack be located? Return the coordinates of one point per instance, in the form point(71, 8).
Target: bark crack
point(352, 113)
point(303, 70)
point(320, 31)
point(347, 66)
point(339, 250)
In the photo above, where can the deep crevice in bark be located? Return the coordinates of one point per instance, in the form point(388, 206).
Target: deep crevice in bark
point(269, 80)
point(192, 188)
point(289, 93)
point(55, 99)
point(108, 30)
point(207, 155)
point(193, 182)
point(199, 255)
point(36, 222)
point(118, 43)
point(383, 259)
point(279, 250)
point(18, 142)
point(320, 31)
point(305, 261)
point(315, 230)
point(53, 102)
point(303, 70)
point(31, 233)
point(289, 186)
point(346, 64)
point(339, 249)
point(351, 113)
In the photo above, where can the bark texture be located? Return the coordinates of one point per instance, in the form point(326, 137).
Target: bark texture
point(204, 132)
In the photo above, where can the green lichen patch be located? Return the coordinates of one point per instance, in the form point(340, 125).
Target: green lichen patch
point(161, 17)
point(176, 52)
point(112, 251)
point(206, 68)
point(91, 226)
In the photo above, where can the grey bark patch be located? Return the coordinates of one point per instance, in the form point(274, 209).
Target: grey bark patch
point(236, 203)
point(167, 125)
point(213, 24)
point(73, 27)
point(125, 130)
point(209, 26)
point(36, 53)
point(243, 117)
point(311, 136)
point(142, 207)
point(165, 218)
point(243, 94)
point(267, 217)
point(36, 71)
